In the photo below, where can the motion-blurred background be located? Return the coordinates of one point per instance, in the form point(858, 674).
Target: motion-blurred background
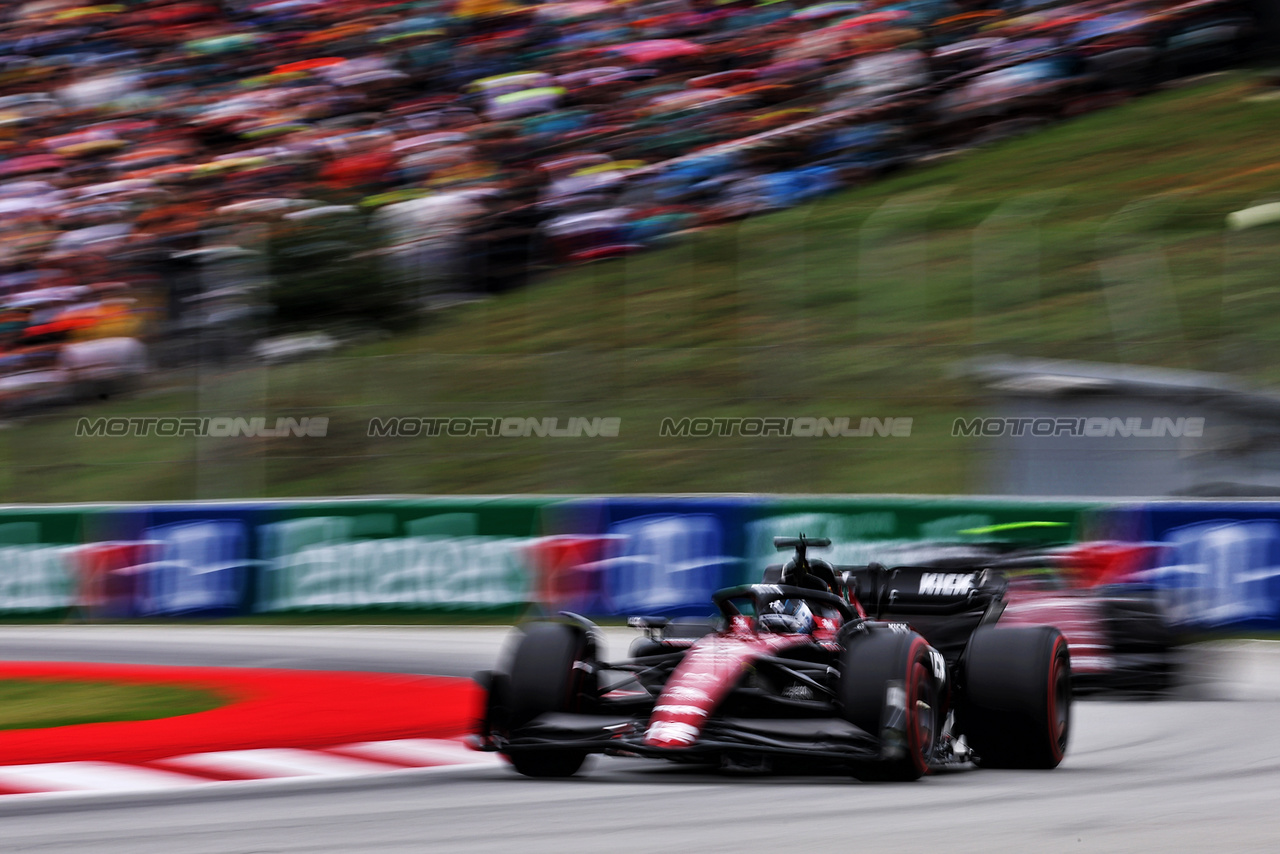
point(930, 212)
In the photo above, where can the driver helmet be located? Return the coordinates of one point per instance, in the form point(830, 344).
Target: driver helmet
point(792, 616)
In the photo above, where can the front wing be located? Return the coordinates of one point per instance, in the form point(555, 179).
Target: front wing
point(815, 740)
point(827, 739)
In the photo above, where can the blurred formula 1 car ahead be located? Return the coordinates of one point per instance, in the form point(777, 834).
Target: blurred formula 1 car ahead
point(1117, 629)
point(1118, 632)
point(889, 672)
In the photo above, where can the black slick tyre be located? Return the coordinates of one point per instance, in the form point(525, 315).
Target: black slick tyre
point(1137, 625)
point(870, 667)
point(545, 677)
point(1016, 704)
point(1142, 641)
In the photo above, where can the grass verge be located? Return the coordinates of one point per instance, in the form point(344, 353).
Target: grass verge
point(37, 704)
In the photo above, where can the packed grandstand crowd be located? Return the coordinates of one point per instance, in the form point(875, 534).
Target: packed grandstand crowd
point(468, 142)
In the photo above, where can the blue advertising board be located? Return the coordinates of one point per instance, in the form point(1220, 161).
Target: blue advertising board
point(1216, 564)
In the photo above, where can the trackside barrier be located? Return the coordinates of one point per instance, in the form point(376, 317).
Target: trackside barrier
point(1217, 564)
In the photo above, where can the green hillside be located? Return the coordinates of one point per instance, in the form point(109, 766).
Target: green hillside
point(1101, 238)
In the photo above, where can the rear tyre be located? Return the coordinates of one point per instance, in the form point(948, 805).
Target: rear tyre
point(1143, 643)
point(869, 668)
point(1137, 625)
point(1016, 710)
point(546, 677)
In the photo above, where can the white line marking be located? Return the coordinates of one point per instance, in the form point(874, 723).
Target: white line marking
point(92, 776)
point(237, 787)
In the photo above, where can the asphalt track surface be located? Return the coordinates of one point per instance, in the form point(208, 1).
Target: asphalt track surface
point(439, 651)
point(1200, 772)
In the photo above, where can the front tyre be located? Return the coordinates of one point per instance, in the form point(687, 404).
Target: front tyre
point(889, 686)
point(1016, 711)
point(550, 672)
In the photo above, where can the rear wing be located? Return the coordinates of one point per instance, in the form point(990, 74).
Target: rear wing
point(800, 571)
point(904, 591)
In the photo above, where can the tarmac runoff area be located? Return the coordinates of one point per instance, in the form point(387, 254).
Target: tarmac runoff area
point(1182, 774)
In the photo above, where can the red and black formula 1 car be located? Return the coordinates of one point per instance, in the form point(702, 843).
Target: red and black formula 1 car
point(888, 672)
